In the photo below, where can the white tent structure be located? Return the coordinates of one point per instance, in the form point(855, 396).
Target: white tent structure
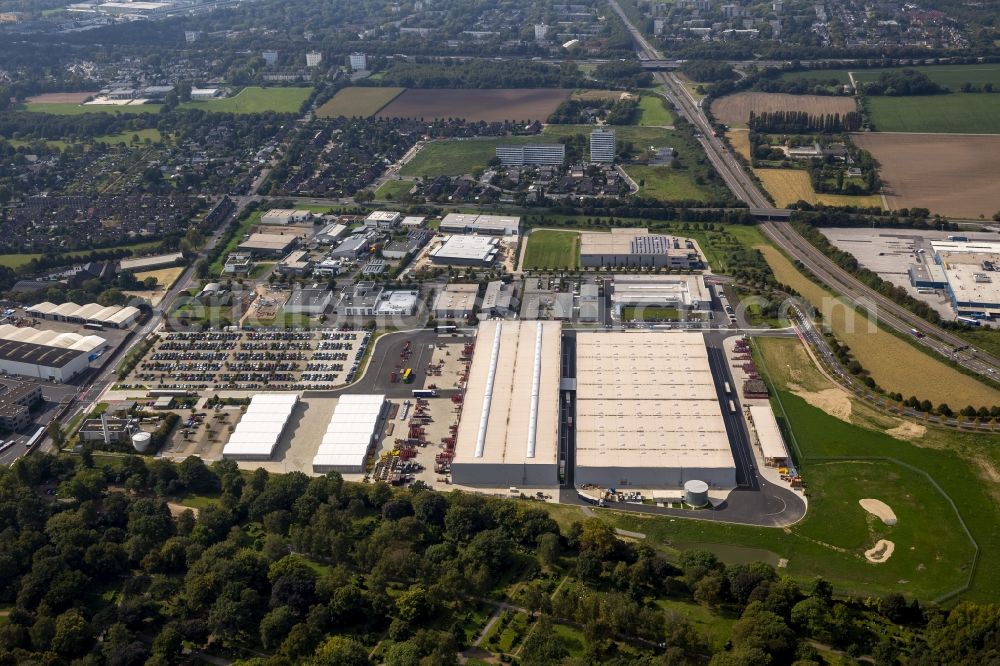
point(260, 428)
point(352, 431)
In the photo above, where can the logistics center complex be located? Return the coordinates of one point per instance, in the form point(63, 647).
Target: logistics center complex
point(647, 410)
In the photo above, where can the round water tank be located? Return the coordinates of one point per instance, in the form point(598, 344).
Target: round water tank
point(141, 441)
point(696, 493)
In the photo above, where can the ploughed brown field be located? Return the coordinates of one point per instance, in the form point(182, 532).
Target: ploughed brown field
point(487, 105)
point(735, 109)
point(951, 174)
point(60, 98)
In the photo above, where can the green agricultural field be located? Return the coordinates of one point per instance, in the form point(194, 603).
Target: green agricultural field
point(667, 184)
point(552, 249)
point(253, 99)
point(73, 109)
point(965, 113)
point(951, 76)
point(653, 112)
point(357, 101)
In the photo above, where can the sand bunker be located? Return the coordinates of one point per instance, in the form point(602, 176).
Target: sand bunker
point(832, 401)
point(907, 431)
point(880, 552)
point(879, 509)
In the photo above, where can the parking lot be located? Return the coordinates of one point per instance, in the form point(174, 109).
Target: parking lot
point(251, 360)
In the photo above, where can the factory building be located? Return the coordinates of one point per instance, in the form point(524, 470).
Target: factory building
point(16, 399)
point(766, 435)
point(683, 292)
point(269, 245)
point(312, 301)
point(112, 316)
point(637, 248)
point(456, 301)
point(57, 357)
point(353, 431)
point(368, 299)
point(508, 433)
point(285, 216)
point(972, 275)
point(261, 426)
point(492, 225)
point(648, 413)
point(467, 251)
point(331, 233)
point(151, 263)
point(383, 219)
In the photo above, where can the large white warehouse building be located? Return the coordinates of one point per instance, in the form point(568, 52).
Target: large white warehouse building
point(351, 434)
point(508, 433)
point(50, 355)
point(648, 413)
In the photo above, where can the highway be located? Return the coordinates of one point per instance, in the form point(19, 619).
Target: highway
point(886, 312)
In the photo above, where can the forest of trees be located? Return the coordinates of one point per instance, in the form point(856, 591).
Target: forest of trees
point(279, 569)
point(903, 82)
point(481, 74)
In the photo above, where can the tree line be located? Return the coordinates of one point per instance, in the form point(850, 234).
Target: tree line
point(779, 122)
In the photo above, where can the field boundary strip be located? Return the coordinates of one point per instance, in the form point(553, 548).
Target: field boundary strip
point(951, 594)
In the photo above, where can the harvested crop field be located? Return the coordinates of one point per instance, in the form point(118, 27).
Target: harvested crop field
point(960, 181)
point(894, 363)
point(597, 95)
point(358, 102)
point(787, 186)
point(735, 109)
point(740, 141)
point(517, 104)
point(61, 98)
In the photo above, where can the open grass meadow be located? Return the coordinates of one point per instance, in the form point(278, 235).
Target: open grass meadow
point(894, 364)
point(787, 186)
point(74, 109)
point(667, 184)
point(392, 190)
point(454, 157)
point(152, 134)
point(552, 249)
point(253, 99)
point(17, 260)
point(357, 101)
point(653, 112)
point(956, 113)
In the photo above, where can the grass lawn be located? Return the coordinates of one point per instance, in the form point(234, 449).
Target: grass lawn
point(552, 249)
point(393, 189)
point(358, 101)
point(969, 113)
point(894, 363)
point(253, 99)
point(667, 183)
point(73, 109)
point(650, 314)
point(830, 541)
point(216, 267)
point(18, 260)
point(715, 625)
point(653, 111)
